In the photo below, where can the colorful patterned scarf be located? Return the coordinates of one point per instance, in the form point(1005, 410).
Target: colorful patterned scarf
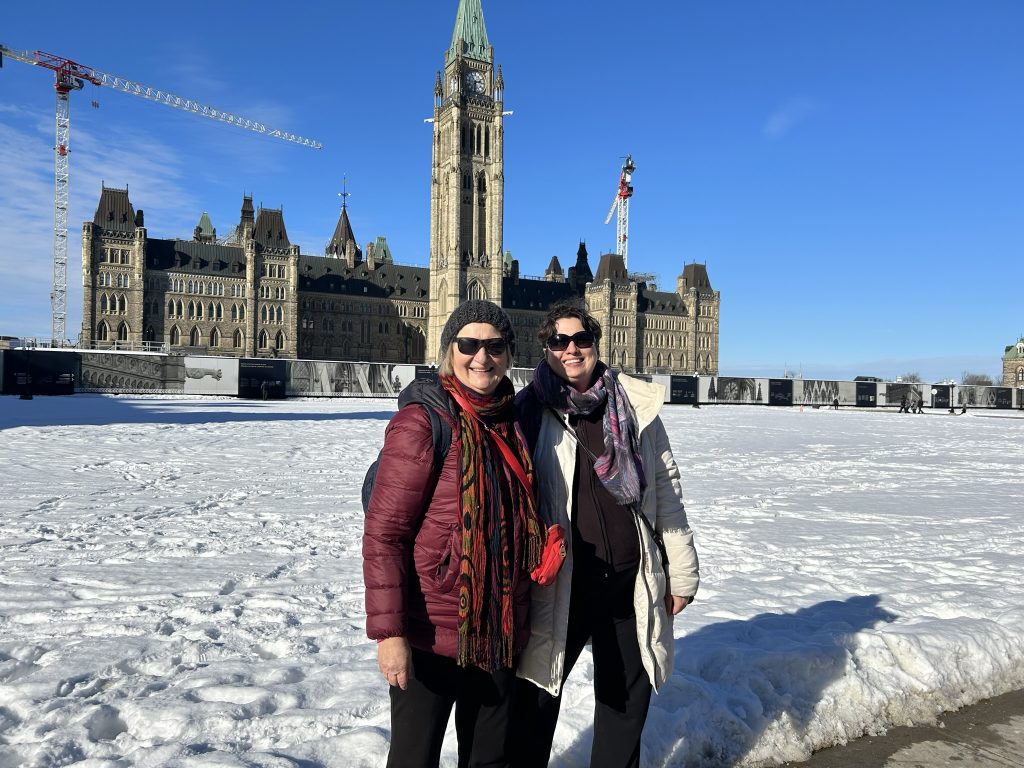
point(619, 468)
point(501, 534)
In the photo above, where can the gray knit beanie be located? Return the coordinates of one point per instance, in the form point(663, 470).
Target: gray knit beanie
point(476, 311)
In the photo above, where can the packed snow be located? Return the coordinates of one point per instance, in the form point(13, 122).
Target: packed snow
point(181, 584)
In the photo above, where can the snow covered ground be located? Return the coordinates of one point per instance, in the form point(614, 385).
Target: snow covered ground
point(180, 582)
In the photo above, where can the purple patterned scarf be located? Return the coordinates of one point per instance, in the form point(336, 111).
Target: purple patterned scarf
point(618, 468)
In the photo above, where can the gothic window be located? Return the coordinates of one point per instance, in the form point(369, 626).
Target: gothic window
point(481, 185)
point(659, 360)
point(191, 310)
point(214, 338)
point(648, 359)
point(181, 309)
point(479, 143)
point(476, 291)
point(264, 340)
point(467, 182)
point(239, 338)
point(279, 340)
point(122, 332)
point(1020, 375)
point(150, 334)
point(462, 138)
point(670, 360)
point(280, 317)
point(103, 303)
point(175, 336)
point(209, 310)
point(101, 332)
point(194, 337)
point(241, 311)
point(122, 304)
point(220, 311)
point(263, 313)
point(487, 142)
point(199, 310)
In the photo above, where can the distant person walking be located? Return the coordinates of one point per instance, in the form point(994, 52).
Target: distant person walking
point(835, 404)
point(903, 405)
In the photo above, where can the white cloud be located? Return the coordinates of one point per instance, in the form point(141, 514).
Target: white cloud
point(788, 116)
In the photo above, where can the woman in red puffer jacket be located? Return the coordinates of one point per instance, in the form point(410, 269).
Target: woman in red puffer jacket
point(447, 552)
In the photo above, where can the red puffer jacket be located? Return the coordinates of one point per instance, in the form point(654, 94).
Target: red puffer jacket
point(412, 537)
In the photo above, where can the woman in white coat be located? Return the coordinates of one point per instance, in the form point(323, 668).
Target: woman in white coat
point(605, 472)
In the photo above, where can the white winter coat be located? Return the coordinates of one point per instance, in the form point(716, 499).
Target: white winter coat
point(554, 460)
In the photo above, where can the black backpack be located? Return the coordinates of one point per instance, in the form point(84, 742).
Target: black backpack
point(441, 432)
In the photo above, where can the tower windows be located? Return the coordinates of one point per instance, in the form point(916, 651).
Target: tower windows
point(122, 332)
point(102, 332)
point(214, 338)
point(175, 336)
point(239, 338)
point(194, 337)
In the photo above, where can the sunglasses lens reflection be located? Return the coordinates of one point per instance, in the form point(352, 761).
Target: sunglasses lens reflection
point(470, 346)
point(560, 342)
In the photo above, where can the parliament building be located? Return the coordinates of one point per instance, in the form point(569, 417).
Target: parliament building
point(254, 294)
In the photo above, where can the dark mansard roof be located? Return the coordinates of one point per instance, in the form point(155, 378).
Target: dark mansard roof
point(611, 267)
point(660, 301)
point(696, 276)
point(525, 293)
point(269, 230)
point(327, 275)
point(114, 212)
point(193, 256)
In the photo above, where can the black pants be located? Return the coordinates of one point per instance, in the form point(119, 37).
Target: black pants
point(419, 714)
point(601, 610)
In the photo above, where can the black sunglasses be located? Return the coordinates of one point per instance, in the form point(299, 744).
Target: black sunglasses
point(560, 342)
point(470, 346)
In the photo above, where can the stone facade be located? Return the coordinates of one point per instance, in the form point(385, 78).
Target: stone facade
point(254, 294)
point(1013, 364)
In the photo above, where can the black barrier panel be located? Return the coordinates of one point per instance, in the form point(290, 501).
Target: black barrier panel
point(1020, 398)
point(780, 391)
point(683, 390)
point(941, 395)
point(426, 373)
point(264, 379)
point(40, 372)
point(867, 394)
point(1003, 397)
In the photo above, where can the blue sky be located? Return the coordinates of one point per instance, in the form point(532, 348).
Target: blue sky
point(850, 172)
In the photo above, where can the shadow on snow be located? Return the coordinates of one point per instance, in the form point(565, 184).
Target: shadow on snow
point(733, 679)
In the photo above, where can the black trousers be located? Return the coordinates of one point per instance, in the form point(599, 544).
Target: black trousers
point(419, 714)
point(601, 611)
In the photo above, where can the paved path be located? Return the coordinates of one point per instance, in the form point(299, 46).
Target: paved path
point(989, 734)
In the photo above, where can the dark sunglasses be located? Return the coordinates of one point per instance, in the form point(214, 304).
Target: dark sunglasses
point(560, 342)
point(470, 346)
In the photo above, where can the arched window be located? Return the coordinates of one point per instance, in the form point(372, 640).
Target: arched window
point(1020, 374)
point(175, 336)
point(209, 311)
point(670, 360)
point(477, 291)
point(264, 340)
point(481, 185)
point(170, 309)
point(191, 310)
point(241, 311)
point(199, 309)
point(487, 142)
point(181, 309)
point(194, 337)
point(443, 299)
point(214, 338)
point(279, 340)
point(263, 313)
point(102, 332)
point(234, 312)
point(150, 334)
point(659, 360)
point(280, 316)
point(239, 338)
point(122, 332)
point(122, 304)
point(103, 303)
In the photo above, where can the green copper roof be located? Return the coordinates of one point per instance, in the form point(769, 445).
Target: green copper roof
point(470, 35)
point(205, 225)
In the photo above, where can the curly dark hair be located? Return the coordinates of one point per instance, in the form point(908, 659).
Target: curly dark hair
point(565, 309)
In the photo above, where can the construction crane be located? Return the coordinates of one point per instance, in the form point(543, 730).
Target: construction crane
point(621, 203)
point(71, 76)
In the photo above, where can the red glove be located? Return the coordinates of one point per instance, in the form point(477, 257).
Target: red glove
point(552, 558)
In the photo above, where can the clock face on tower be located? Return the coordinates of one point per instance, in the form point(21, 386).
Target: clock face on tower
point(474, 81)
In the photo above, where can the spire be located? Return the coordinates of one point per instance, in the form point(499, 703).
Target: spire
point(204, 231)
point(469, 38)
